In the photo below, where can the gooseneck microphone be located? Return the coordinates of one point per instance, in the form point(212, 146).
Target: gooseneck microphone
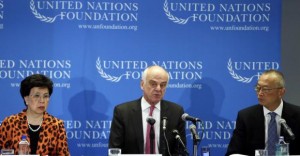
point(178, 138)
point(287, 128)
point(164, 123)
point(194, 132)
point(165, 144)
point(186, 117)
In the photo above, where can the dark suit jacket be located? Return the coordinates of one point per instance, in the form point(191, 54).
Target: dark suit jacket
point(249, 133)
point(127, 127)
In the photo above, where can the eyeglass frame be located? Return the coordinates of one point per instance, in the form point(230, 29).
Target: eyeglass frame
point(37, 97)
point(263, 90)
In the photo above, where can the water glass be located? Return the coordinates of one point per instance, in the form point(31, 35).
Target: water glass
point(114, 151)
point(205, 151)
point(7, 152)
point(261, 152)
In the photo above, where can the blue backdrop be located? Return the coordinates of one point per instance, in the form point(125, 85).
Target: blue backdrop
point(95, 52)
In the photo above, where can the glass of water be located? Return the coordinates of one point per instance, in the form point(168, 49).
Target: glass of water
point(114, 151)
point(7, 152)
point(261, 152)
point(205, 151)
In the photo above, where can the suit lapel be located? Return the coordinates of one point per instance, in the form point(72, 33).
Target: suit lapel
point(163, 113)
point(287, 113)
point(138, 125)
point(260, 125)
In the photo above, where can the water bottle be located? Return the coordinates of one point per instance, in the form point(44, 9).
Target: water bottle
point(24, 147)
point(282, 148)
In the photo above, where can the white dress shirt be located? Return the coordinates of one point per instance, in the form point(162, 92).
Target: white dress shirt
point(278, 112)
point(156, 115)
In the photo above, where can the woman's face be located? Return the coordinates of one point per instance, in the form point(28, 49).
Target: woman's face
point(38, 100)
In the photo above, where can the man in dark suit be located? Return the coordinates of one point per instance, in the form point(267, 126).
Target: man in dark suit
point(129, 125)
point(251, 130)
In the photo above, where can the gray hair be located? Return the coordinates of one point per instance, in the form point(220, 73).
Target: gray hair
point(279, 76)
point(145, 72)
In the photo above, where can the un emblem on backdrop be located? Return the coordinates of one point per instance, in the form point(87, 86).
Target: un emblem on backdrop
point(40, 16)
point(172, 17)
point(105, 75)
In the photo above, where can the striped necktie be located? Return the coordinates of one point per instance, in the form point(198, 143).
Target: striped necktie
point(272, 134)
point(148, 148)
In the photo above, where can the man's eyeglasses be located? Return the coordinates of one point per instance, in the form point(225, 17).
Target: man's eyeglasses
point(264, 90)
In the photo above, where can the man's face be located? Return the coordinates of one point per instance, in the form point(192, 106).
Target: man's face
point(155, 86)
point(269, 93)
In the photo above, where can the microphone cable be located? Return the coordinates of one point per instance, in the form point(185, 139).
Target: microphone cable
point(167, 143)
point(165, 137)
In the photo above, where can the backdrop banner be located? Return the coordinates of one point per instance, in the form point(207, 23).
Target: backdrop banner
point(95, 52)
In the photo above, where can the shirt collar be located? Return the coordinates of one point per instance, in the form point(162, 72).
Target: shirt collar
point(146, 105)
point(278, 110)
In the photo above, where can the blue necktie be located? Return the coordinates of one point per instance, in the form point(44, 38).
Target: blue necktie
point(272, 134)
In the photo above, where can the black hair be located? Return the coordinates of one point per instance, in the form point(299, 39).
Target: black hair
point(35, 80)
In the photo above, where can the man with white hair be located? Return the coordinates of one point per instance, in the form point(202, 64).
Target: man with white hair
point(129, 125)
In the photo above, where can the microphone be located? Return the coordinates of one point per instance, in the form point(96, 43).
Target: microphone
point(151, 120)
point(177, 137)
point(194, 132)
point(287, 128)
point(164, 123)
point(186, 116)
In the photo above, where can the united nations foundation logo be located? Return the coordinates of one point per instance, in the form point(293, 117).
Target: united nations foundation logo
point(215, 12)
point(84, 11)
point(258, 66)
point(179, 70)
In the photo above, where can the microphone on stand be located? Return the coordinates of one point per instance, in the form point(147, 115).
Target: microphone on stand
point(164, 123)
point(151, 121)
point(165, 146)
point(196, 139)
point(287, 128)
point(194, 132)
point(178, 138)
point(186, 117)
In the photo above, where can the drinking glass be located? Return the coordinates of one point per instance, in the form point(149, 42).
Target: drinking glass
point(7, 152)
point(114, 152)
point(261, 152)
